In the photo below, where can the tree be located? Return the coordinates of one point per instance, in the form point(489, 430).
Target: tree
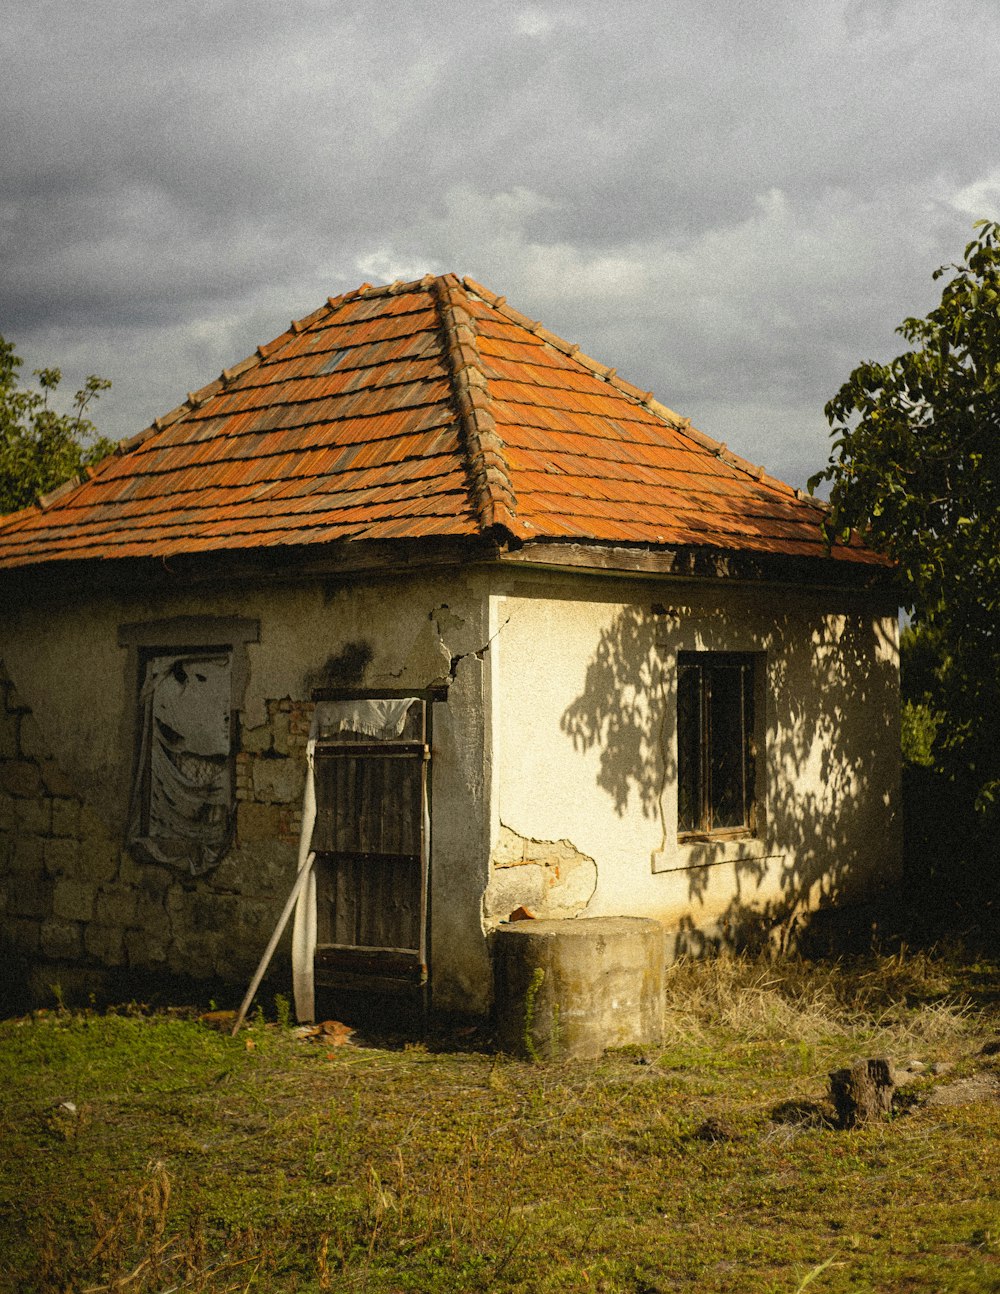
point(916, 468)
point(39, 447)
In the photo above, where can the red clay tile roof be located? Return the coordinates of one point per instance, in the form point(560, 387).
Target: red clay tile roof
point(421, 409)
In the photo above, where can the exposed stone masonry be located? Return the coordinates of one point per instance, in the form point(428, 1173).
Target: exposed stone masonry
point(270, 774)
point(76, 908)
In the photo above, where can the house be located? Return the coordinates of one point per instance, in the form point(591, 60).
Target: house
point(537, 642)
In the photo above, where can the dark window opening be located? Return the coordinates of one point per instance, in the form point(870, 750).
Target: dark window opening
point(716, 750)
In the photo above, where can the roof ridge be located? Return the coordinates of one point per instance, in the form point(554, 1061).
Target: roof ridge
point(367, 292)
point(493, 493)
point(632, 392)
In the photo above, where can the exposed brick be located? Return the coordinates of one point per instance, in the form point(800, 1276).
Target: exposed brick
point(278, 781)
point(62, 857)
point(66, 817)
point(290, 828)
point(20, 778)
point(256, 740)
point(257, 822)
point(301, 721)
point(73, 900)
point(34, 816)
point(106, 943)
point(62, 939)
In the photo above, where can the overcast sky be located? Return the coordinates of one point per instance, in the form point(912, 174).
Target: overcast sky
point(732, 203)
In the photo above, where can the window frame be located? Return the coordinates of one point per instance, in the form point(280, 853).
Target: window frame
point(702, 828)
point(181, 636)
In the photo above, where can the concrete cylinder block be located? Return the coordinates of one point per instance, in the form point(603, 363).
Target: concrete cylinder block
point(572, 988)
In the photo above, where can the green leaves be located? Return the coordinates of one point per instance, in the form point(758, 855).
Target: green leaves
point(915, 466)
point(40, 448)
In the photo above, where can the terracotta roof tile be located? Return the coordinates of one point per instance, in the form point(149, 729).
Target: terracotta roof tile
point(421, 409)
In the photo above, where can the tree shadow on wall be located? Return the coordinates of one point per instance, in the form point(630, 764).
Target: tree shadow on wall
point(830, 754)
point(620, 713)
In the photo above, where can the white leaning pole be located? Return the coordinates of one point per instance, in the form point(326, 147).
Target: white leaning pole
point(302, 876)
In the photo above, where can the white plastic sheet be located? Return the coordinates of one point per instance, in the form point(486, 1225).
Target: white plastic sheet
point(382, 718)
point(182, 801)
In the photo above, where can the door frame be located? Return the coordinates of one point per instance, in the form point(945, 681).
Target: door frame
point(381, 970)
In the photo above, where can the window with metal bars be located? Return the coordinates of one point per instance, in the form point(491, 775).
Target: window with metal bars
point(716, 747)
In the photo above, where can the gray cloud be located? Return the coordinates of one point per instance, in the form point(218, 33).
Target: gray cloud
point(734, 206)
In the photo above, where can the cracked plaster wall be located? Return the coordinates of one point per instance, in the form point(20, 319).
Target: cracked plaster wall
point(551, 878)
point(82, 901)
point(584, 697)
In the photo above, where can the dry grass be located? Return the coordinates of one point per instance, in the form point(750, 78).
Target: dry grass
point(165, 1157)
point(899, 1002)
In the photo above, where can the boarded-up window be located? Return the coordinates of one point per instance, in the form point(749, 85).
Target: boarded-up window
point(182, 798)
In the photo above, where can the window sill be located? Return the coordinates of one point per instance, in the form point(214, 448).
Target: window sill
point(708, 851)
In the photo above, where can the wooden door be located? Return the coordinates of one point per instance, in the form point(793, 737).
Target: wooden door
point(371, 845)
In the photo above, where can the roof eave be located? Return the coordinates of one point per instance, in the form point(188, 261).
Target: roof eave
point(687, 562)
point(284, 563)
point(348, 559)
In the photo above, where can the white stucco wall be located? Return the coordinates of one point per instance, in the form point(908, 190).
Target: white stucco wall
point(583, 687)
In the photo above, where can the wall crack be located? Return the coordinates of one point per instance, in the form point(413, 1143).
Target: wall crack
point(478, 652)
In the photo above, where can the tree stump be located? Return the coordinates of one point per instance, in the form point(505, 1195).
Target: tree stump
point(863, 1093)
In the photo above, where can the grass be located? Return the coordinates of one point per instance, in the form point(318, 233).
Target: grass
point(148, 1153)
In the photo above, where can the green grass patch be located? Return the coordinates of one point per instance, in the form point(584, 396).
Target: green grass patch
point(148, 1153)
